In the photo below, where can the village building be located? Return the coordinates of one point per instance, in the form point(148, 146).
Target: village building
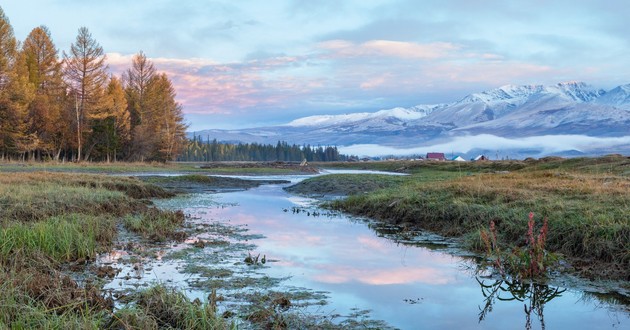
point(436, 156)
point(458, 159)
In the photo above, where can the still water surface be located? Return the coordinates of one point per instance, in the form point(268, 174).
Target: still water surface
point(407, 286)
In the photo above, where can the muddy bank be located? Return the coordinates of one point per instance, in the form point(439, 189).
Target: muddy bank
point(245, 166)
point(203, 183)
point(336, 185)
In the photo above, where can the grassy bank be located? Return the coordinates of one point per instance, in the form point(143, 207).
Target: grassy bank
point(587, 202)
point(223, 168)
point(48, 219)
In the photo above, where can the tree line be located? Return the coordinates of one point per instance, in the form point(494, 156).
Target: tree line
point(69, 108)
point(198, 150)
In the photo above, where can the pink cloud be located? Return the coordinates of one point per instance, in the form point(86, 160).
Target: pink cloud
point(336, 74)
point(389, 48)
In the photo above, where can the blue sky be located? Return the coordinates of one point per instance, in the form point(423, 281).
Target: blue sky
point(250, 63)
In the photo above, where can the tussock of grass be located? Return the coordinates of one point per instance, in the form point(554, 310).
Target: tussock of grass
point(166, 308)
point(156, 225)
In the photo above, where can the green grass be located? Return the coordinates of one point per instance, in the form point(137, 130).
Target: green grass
point(63, 238)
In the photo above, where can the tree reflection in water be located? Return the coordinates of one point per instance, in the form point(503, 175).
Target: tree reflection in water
point(533, 295)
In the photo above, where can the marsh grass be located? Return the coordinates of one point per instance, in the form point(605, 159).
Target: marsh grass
point(587, 211)
point(35, 295)
point(36, 196)
point(156, 225)
point(47, 219)
point(161, 307)
point(62, 238)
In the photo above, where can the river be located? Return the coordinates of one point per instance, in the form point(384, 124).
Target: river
point(407, 284)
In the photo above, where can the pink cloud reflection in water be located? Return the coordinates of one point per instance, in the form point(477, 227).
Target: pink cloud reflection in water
point(335, 251)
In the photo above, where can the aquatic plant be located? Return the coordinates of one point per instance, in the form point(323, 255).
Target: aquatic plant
point(253, 261)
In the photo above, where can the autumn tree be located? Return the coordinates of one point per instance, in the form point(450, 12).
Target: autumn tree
point(167, 120)
point(7, 48)
point(136, 81)
point(111, 124)
point(85, 73)
point(44, 72)
point(15, 93)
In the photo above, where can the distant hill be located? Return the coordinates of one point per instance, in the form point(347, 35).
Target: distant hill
point(512, 120)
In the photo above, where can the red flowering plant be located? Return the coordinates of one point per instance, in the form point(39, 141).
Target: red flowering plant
point(529, 261)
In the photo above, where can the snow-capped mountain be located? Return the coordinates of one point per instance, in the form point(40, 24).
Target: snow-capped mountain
point(569, 108)
point(618, 96)
point(403, 114)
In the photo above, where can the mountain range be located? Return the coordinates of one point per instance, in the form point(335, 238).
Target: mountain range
point(569, 118)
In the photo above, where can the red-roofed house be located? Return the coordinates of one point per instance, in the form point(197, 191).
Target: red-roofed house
point(436, 156)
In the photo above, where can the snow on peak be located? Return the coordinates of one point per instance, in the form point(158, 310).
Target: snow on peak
point(578, 91)
point(507, 93)
point(328, 119)
point(400, 113)
point(618, 96)
point(572, 90)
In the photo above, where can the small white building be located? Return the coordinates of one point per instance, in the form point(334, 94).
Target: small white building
point(458, 159)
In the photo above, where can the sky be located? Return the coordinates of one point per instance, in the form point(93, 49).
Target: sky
point(248, 63)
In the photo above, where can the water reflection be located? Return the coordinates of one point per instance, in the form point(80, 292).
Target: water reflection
point(533, 295)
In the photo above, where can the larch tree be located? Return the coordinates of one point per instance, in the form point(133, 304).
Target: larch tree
point(14, 101)
point(44, 71)
point(167, 120)
point(8, 48)
point(111, 124)
point(136, 81)
point(85, 72)
point(15, 93)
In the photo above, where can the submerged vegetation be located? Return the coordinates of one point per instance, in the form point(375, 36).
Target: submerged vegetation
point(586, 202)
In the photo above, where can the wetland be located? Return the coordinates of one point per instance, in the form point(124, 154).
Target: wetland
point(271, 253)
